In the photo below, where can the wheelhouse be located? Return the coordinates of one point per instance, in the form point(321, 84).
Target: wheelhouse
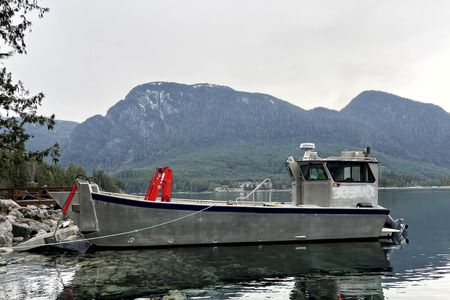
point(350, 180)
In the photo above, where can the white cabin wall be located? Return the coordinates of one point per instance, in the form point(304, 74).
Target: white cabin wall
point(349, 195)
point(374, 168)
point(296, 193)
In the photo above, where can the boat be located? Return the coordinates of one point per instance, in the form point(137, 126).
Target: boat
point(334, 198)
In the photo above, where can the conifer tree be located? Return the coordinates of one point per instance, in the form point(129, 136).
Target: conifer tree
point(17, 107)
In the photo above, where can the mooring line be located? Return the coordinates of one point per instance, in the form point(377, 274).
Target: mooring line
point(121, 233)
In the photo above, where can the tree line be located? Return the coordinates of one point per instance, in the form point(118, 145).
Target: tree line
point(42, 174)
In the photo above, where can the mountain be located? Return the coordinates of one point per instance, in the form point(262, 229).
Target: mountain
point(415, 130)
point(43, 138)
point(212, 132)
point(157, 117)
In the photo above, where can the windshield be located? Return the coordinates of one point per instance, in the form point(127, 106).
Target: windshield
point(314, 172)
point(350, 172)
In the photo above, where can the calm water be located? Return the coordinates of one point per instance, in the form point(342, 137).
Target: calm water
point(354, 270)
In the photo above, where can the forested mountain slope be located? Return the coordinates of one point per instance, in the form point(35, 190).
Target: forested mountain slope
point(212, 132)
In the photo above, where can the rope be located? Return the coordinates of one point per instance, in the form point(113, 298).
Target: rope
point(35, 197)
point(122, 233)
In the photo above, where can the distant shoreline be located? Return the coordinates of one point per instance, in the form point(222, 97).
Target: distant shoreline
point(288, 190)
point(414, 188)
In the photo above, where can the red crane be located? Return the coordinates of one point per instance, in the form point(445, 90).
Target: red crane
point(161, 181)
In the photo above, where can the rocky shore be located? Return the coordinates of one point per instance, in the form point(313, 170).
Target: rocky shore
point(20, 223)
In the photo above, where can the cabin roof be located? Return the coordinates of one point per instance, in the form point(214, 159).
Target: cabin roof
point(340, 159)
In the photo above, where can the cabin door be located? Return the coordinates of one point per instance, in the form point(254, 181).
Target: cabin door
point(315, 185)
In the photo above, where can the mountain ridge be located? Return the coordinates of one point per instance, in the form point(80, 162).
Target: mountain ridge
point(159, 122)
point(428, 122)
point(155, 116)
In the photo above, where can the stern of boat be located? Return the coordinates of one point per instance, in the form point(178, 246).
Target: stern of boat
point(81, 208)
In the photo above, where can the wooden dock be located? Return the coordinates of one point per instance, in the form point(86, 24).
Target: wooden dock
point(32, 196)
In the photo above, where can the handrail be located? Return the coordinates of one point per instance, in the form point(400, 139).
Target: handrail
point(257, 188)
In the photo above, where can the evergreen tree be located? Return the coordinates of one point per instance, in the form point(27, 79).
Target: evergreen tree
point(17, 106)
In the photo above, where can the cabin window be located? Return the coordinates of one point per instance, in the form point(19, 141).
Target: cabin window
point(314, 172)
point(350, 172)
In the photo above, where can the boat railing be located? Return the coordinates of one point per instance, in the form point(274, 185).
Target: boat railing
point(259, 186)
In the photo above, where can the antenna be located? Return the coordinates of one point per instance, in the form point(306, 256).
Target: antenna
point(367, 151)
point(308, 147)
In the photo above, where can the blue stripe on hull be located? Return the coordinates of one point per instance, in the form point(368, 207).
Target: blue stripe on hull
point(239, 209)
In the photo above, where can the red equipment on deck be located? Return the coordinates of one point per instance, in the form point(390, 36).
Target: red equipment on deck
point(161, 180)
point(69, 199)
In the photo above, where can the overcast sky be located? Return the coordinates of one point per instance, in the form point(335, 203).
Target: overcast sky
point(87, 55)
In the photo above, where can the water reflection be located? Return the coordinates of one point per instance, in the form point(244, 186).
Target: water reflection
point(297, 271)
point(35, 276)
point(355, 270)
point(156, 272)
point(425, 261)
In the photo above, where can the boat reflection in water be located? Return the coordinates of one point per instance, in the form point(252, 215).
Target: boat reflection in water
point(298, 271)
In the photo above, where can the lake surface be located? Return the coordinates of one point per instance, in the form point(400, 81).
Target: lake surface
point(419, 269)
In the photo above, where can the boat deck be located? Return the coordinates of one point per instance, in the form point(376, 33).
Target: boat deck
point(240, 203)
point(209, 201)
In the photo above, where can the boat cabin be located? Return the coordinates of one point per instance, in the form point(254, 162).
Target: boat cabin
point(350, 180)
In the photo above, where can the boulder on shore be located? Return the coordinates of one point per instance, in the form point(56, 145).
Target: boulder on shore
point(20, 223)
point(7, 205)
point(6, 235)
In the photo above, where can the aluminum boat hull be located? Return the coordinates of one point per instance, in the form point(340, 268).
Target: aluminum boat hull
point(117, 220)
